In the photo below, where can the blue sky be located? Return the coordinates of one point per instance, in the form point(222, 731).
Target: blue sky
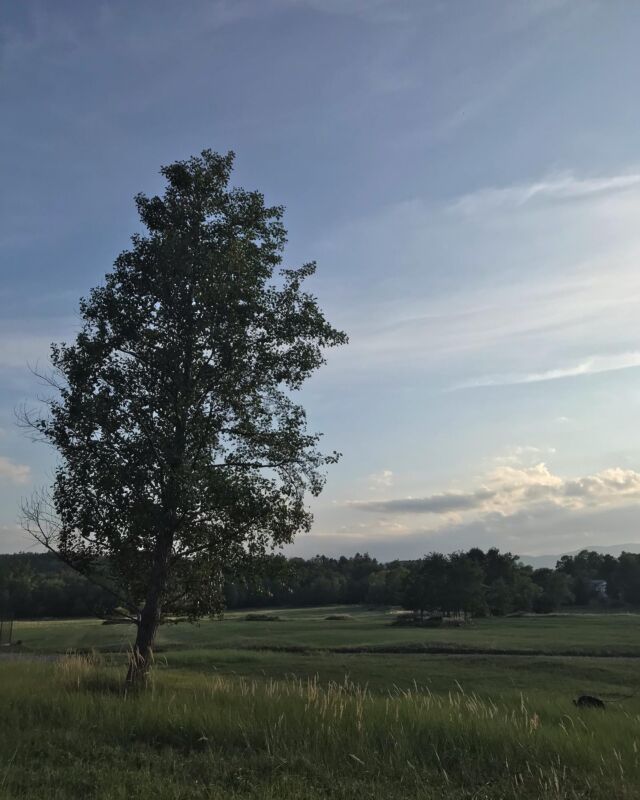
point(466, 174)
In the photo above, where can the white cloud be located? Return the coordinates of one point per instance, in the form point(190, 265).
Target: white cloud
point(509, 489)
point(564, 186)
point(521, 454)
point(14, 473)
point(590, 366)
point(381, 480)
point(525, 508)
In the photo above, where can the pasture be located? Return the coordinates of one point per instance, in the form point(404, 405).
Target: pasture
point(306, 707)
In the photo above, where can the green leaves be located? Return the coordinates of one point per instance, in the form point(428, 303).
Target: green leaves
point(181, 448)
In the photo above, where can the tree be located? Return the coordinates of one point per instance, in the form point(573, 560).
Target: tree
point(465, 585)
point(525, 591)
point(426, 587)
point(556, 590)
point(627, 578)
point(583, 568)
point(181, 449)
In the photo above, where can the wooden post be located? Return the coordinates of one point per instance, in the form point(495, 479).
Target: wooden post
point(6, 630)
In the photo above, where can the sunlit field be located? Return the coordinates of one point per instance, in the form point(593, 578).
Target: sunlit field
point(306, 707)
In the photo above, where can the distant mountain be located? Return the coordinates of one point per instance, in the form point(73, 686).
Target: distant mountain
point(550, 560)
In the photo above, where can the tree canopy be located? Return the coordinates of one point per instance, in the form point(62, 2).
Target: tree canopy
point(39, 585)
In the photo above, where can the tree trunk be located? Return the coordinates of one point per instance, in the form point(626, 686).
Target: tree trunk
point(142, 655)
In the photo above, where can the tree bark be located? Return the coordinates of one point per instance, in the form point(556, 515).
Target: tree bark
point(142, 656)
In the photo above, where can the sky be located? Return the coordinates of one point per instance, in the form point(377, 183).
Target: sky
point(467, 176)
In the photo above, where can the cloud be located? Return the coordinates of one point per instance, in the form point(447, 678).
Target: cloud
point(434, 504)
point(547, 269)
point(564, 186)
point(18, 351)
point(510, 489)
point(25, 342)
point(14, 473)
point(14, 539)
point(543, 529)
point(381, 480)
point(524, 509)
point(522, 453)
point(590, 366)
point(379, 11)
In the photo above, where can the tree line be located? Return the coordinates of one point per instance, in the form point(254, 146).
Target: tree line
point(477, 582)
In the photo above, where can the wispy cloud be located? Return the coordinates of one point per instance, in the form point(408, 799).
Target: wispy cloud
point(590, 366)
point(563, 186)
point(26, 340)
point(378, 11)
point(14, 473)
point(558, 282)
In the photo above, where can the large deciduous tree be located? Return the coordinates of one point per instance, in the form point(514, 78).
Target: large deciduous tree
point(181, 449)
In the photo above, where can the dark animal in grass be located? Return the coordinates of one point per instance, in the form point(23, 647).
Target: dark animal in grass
point(588, 701)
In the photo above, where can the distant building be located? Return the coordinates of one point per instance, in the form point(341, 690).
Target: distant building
point(599, 587)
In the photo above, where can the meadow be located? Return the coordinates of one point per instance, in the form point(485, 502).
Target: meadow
point(308, 707)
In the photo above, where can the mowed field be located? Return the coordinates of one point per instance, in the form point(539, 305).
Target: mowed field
point(569, 654)
point(307, 707)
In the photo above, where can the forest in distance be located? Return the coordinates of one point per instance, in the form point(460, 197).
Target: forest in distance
point(477, 582)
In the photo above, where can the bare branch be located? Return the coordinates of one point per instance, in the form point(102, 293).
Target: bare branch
point(40, 521)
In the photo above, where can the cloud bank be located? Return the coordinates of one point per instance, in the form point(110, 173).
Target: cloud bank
point(509, 489)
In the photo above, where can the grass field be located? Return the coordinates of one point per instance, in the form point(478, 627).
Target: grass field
point(309, 629)
point(307, 707)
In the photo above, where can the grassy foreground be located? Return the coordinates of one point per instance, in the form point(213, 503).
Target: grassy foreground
point(68, 732)
point(310, 707)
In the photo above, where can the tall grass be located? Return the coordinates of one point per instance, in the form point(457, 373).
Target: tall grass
point(72, 728)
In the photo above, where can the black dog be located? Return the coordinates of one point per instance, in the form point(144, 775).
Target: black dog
point(588, 701)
